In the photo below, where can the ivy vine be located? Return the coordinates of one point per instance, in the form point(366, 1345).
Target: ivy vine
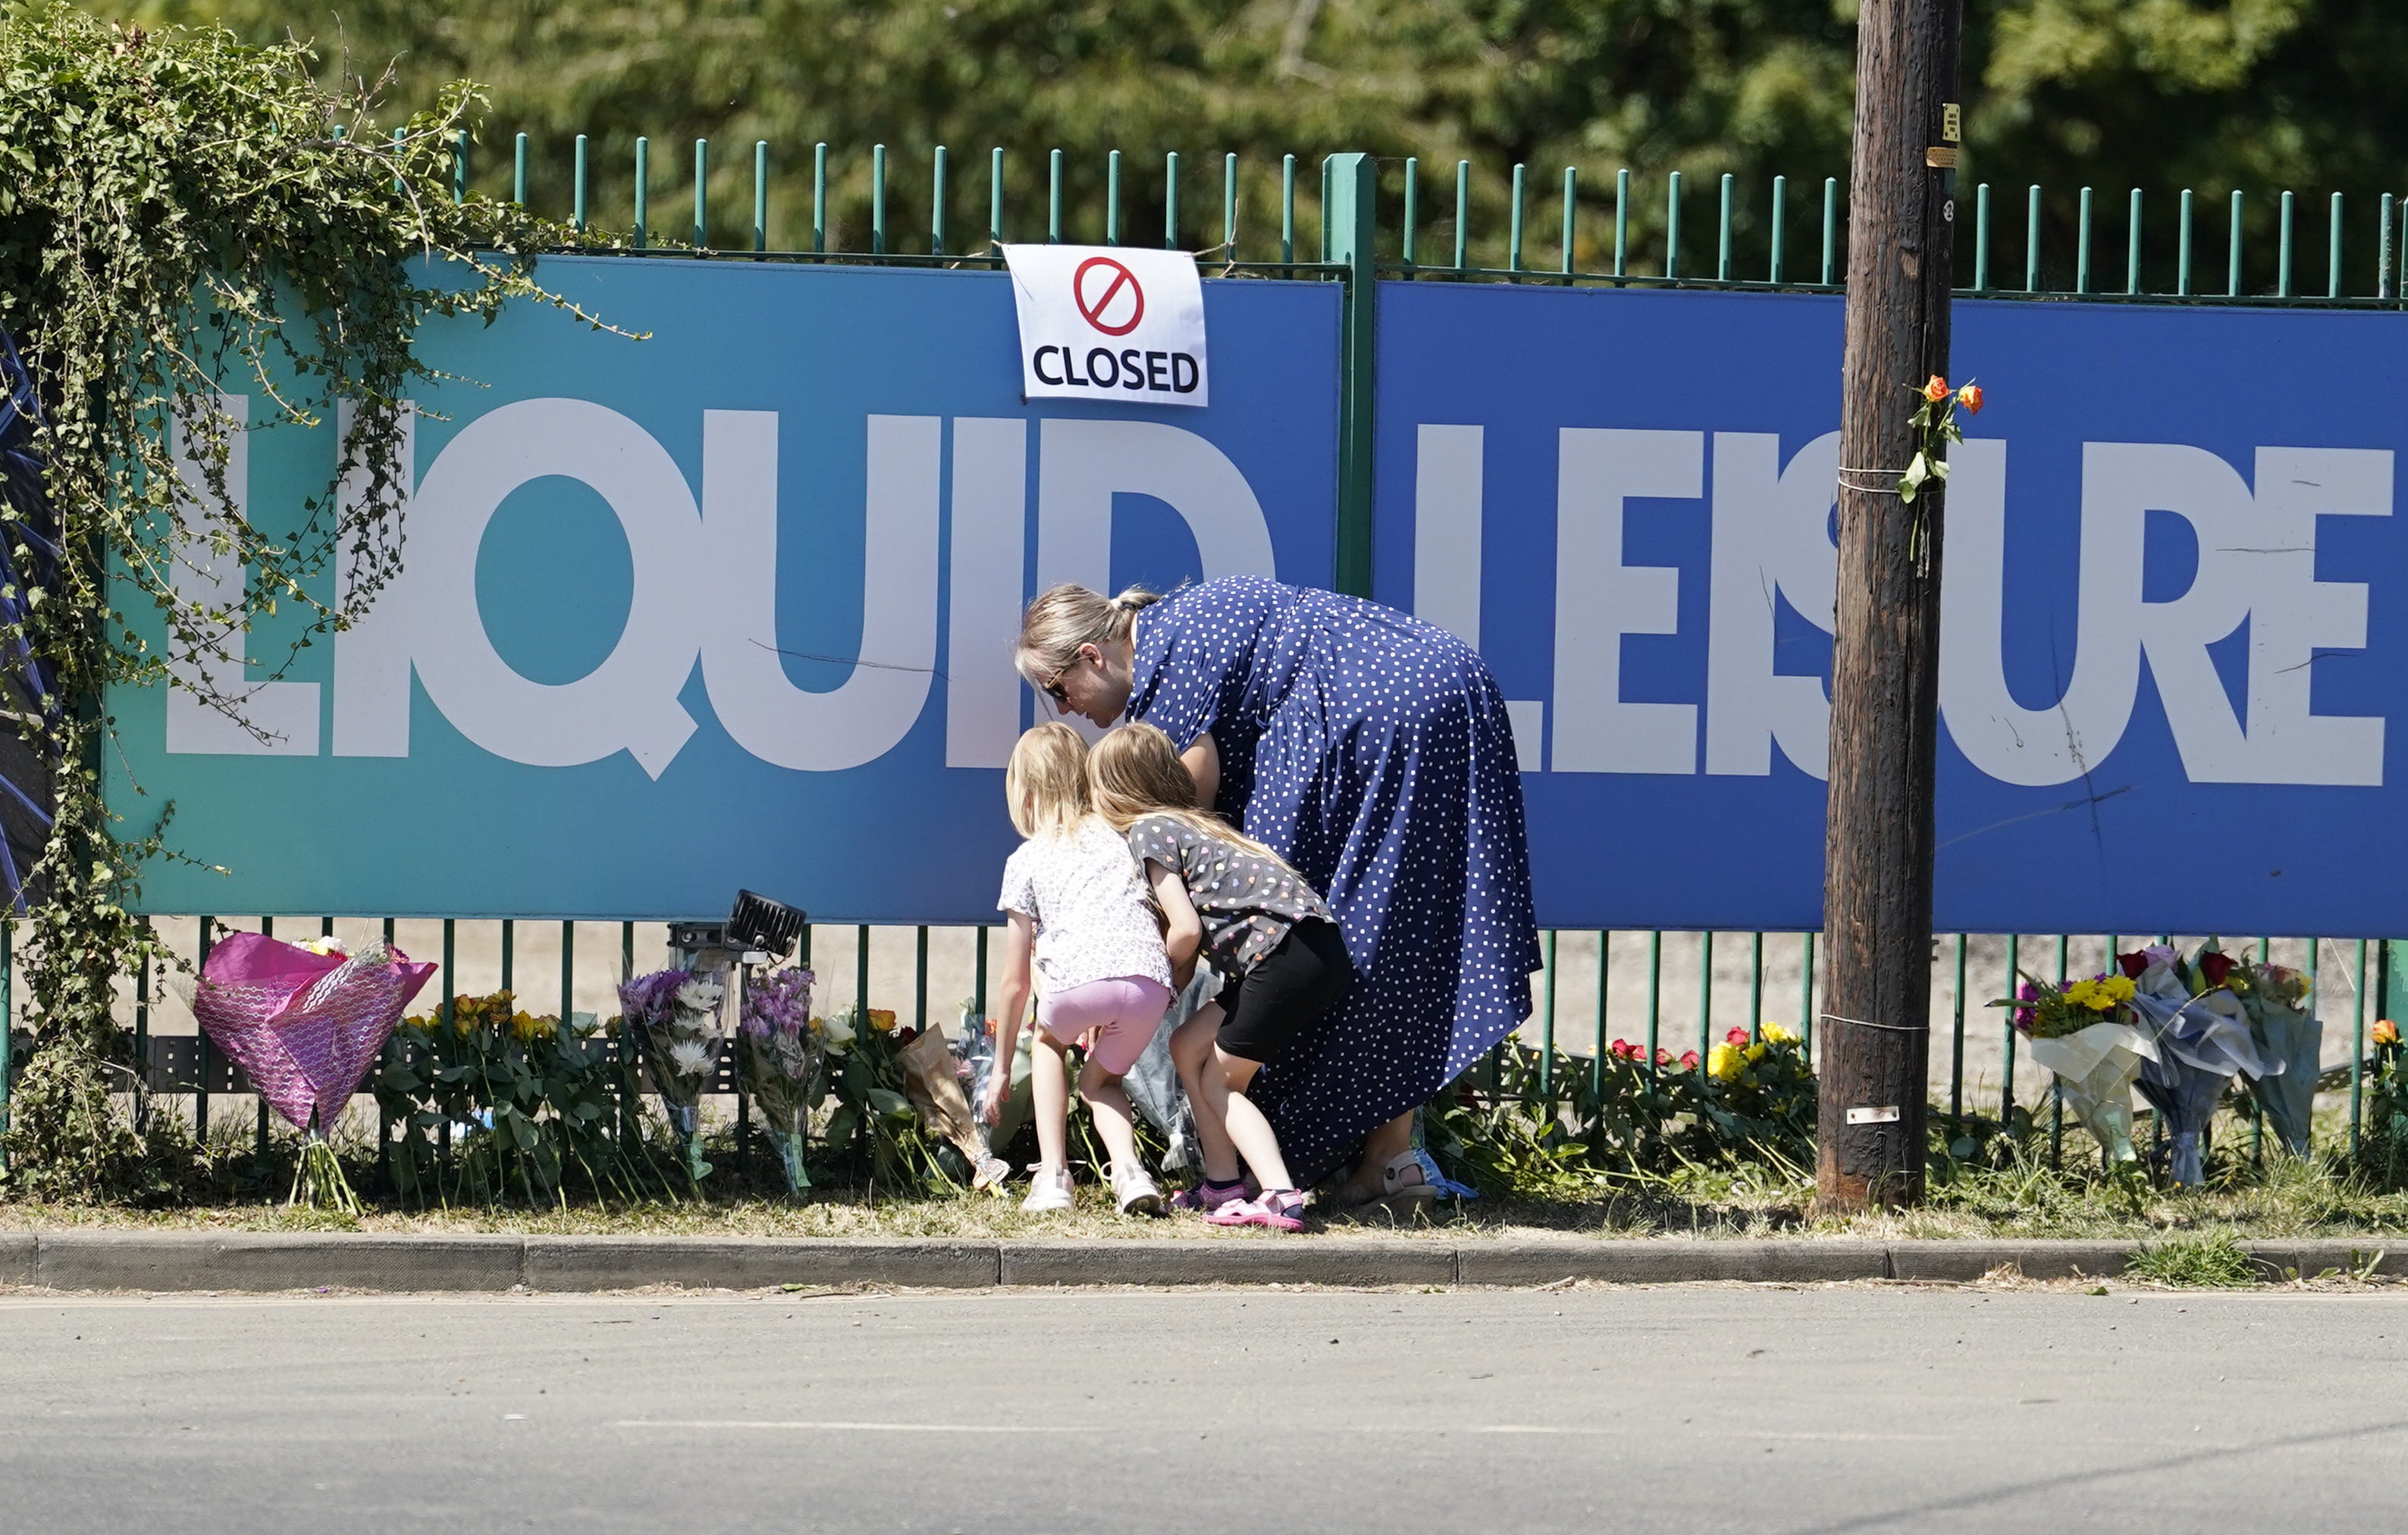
point(181, 213)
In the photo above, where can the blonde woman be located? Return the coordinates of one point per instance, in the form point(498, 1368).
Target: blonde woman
point(1372, 753)
point(1080, 917)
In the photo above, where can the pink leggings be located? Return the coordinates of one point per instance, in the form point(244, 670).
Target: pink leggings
point(1121, 1012)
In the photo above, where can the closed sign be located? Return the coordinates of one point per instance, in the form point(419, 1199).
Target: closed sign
point(1108, 322)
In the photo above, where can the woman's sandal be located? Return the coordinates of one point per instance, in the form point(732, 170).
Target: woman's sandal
point(1404, 1185)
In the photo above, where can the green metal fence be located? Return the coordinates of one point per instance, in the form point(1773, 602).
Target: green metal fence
point(1569, 1032)
point(1352, 219)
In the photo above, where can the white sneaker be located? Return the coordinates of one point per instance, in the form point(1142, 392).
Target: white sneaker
point(1049, 1190)
point(1138, 1194)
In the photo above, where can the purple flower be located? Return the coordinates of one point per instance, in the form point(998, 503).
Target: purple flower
point(647, 998)
point(777, 1003)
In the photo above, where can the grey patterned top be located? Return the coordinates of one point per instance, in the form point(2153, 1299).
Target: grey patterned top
point(1247, 902)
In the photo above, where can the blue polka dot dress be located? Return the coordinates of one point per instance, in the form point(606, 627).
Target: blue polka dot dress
point(1374, 751)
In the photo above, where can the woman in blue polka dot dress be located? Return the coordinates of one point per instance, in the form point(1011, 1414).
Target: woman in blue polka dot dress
point(1373, 752)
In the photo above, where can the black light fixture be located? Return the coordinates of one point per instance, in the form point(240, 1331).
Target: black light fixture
point(758, 931)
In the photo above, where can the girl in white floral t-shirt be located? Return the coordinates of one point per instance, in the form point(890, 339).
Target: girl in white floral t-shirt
point(1081, 917)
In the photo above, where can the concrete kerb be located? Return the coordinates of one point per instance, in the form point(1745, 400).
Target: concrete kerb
point(1346, 1261)
point(752, 1263)
point(169, 1261)
point(17, 1250)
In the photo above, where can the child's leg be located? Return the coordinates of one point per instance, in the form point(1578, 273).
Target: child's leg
point(1049, 1085)
point(1225, 1083)
point(1109, 1102)
point(1192, 1051)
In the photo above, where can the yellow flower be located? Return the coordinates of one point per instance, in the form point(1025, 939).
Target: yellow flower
point(1779, 1033)
point(2386, 1031)
point(1724, 1063)
point(2118, 987)
point(1754, 1054)
point(882, 1020)
point(2078, 993)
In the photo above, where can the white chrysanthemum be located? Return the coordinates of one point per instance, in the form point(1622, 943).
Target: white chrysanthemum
point(690, 1057)
point(700, 996)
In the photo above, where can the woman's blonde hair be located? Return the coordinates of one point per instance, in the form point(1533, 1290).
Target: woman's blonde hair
point(1068, 616)
point(1045, 783)
point(1134, 772)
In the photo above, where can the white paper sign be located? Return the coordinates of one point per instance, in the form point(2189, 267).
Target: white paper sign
point(1109, 322)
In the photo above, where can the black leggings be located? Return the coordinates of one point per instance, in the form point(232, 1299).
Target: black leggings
point(1298, 981)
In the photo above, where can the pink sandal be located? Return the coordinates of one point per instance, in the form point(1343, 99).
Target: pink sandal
point(1279, 1209)
point(1208, 1196)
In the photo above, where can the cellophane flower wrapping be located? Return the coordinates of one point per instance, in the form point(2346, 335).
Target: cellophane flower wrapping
point(779, 1051)
point(2202, 1041)
point(673, 1017)
point(306, 1023)
point(932, 1081)
point(2289, 1037)
point(2094, 1067)
point(1154, 1085)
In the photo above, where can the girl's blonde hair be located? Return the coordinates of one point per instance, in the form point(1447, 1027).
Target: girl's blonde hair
point(1134, 772)
point(1045, 783)
point(1068, 616)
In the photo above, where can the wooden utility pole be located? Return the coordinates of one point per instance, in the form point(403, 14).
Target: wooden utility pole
point(1875, 1023)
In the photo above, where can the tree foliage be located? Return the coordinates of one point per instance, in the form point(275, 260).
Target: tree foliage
point(2159, 94)
point(181, 213)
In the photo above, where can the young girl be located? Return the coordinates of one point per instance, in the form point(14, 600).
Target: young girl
point(1282, 961)
point(1079, 913)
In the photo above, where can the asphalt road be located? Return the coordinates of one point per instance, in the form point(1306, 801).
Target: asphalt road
point(1676, 1410)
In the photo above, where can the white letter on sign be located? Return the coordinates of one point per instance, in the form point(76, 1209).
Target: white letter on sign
point(1771, 539)
point(630, 700)
point(761, 708)
point(2061, 741)
point(2292, 615)
point(989, 575)
point(1084, 464)
point(1598, 599)
point(283, 715)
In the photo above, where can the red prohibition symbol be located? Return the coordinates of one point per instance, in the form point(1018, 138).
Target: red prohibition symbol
point(1105, 295)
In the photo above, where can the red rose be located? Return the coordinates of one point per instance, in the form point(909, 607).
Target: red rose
point(2215, 967)
point(1739, 1039)
point(1688, 1060)
point(2132, 965)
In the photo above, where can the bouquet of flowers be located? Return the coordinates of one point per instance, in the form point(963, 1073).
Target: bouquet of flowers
point(932, 1079)
point(2204, 1040)
point(532, 1090)
point(2076, 1036)
point(2275, 1000)
point(778, 1047)
point(672, 1018)
point(306, 1022)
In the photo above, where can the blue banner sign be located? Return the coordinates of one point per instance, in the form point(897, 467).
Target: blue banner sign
point(733, 605)
point(2174, 600)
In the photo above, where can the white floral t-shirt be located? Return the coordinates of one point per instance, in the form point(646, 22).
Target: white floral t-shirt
point(1095, 921)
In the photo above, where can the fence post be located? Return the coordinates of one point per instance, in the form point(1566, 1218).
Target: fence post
point(7, 1013)
point(1352, 217)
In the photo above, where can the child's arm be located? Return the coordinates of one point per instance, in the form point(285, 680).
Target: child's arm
point(1183, 935)
point(1017, 941)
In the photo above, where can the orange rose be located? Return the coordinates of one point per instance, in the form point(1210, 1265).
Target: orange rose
point(1937, 390)
point(2386, 1031)
point(1970, 399)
